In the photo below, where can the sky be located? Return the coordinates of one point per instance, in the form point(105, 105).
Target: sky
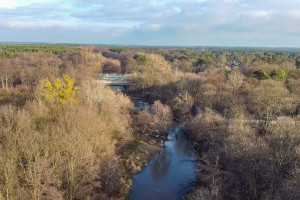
point(258, 23)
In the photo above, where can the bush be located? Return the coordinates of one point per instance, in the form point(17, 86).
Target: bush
point(140, 59)
point(16, 96)
point(183, 103)
point(261, 75)
point(270, 99)
point(155, 72)
point(111, 66)
point(162, 116)
point(56, 91)
point(142, 122)
point(207, 129)
point(278, 75)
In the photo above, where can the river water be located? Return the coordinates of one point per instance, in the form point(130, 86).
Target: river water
point(171, 172)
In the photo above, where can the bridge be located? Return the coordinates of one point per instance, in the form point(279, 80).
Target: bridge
point(118, 80)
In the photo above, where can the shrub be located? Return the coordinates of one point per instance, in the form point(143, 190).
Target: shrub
point(278, 75)
point(111, 66)
point(140, 59)
point(261, 75)
point(269, 99)
point(235, 80)
point(208, 129)
point(162, 116)
point(142, 122)
point(227, 72)
point(16, 96)
point(56, 91)
point(183, 103)
point(155, 72)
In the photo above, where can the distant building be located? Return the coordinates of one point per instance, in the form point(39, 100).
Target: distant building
point(235, 63)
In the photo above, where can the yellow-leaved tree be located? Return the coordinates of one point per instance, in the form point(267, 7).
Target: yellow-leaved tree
point(58, 91)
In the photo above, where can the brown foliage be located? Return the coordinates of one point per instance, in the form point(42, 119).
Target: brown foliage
point(15, 96)
point(111, 66)
point(162, 116)
point(52, 151)
point(271, 99)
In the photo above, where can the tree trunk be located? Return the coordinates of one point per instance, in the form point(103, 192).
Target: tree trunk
point(6, 81)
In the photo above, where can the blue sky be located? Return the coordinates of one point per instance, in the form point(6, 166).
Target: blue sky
point(269, 23)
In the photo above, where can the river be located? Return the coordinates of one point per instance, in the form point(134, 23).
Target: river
point(170, 174)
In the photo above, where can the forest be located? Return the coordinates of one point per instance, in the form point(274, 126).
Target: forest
point(66, 135)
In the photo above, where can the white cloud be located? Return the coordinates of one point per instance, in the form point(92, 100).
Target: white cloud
point(151, 27)
point(260, 14)
point(21, 25)
point(184, 20)
point(177, 9)
point(21, 3)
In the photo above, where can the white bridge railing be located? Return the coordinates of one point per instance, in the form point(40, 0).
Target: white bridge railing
point(114, 76)
point(114, 79)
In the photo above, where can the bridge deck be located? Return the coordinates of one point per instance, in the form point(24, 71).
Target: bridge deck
point(114, 79)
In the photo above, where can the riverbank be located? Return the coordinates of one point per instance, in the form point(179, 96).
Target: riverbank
point(135, 156)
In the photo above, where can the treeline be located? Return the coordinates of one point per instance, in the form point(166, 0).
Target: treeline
point(11, 51)
point(200, 59)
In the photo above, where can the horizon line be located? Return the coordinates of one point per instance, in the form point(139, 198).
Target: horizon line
point(149, 45)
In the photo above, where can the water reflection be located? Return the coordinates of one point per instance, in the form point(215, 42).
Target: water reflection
point(117, 88)
point(142, 105)
point(170, 173)
point(184, 146)
point(160, 165)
